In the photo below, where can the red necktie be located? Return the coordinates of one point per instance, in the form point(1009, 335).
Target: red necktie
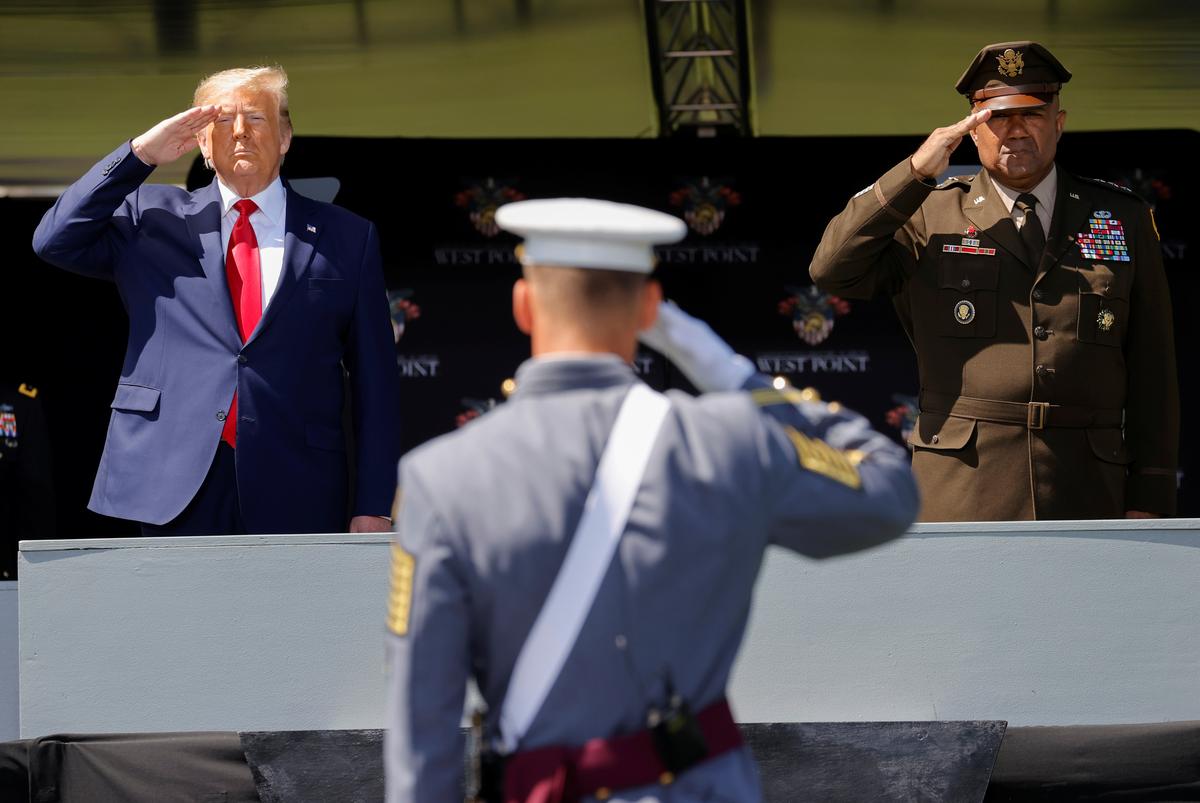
point(245, 288)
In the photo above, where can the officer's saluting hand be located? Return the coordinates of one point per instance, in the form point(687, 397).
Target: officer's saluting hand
point(933, 157)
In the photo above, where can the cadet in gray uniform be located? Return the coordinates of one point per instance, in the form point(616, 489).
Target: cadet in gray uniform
point(489, 517)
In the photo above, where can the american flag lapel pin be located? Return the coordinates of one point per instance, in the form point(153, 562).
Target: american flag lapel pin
point(311, 228)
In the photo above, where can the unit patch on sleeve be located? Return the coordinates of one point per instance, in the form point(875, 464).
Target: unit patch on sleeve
point(820, 458)
point(400, 597)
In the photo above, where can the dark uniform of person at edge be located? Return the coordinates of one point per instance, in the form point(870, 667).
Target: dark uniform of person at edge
point(26, 482)
point(1038, 307)
point(604, 671)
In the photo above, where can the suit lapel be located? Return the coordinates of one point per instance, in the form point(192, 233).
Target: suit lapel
point(986, 210)
point(1071, 209)
point(302, 228)
point(203, 217)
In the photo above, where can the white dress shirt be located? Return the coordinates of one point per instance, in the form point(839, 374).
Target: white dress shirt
point(269, 227)
point(1046, 191)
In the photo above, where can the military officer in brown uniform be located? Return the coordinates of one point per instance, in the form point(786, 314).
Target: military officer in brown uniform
point(1038, 307)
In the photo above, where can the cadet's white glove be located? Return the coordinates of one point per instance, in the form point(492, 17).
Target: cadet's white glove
point(705, 359)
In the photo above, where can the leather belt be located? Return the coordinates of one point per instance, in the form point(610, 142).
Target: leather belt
point(1032, 415)
point(600, 767)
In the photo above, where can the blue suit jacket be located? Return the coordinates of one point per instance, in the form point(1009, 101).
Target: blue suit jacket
point(162, 246)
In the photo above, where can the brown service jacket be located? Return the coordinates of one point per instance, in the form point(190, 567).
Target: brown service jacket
point(1089, 336)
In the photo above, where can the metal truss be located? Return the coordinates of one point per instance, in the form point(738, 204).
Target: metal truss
point(700, 66)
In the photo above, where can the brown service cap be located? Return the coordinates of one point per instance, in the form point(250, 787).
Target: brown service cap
point(1012, 75)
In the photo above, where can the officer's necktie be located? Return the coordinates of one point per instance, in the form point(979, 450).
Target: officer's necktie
point(1031, 230)
point(245, 289)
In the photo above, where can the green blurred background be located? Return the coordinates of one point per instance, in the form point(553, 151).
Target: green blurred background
point(77, 77)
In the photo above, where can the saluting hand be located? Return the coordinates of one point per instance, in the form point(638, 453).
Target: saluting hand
point(933, 157)
point(174, 136)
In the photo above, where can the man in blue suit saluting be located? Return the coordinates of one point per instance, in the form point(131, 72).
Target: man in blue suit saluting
point(247, 303)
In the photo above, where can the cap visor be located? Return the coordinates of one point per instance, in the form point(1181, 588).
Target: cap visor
point(1007, 102)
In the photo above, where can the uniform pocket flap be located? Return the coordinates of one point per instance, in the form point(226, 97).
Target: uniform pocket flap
point(322, 437)
point(1109, 446)
point(1103, 281)
point(966, 274)
point(136, 398)
point(941, 432)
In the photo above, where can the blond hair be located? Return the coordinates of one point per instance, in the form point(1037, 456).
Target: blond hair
point(256, 79)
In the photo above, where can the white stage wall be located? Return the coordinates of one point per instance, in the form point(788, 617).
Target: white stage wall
point(1034, 623)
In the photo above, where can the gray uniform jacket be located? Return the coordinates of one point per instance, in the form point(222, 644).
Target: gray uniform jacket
point(484, 523)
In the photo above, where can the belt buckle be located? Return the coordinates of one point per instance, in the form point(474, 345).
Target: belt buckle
point(1035, 414)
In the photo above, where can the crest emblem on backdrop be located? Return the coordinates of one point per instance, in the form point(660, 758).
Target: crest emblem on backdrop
point(1149, 185)
point(472, 409)
point(8, 424)
point(705, 203)
point(403, 311)
point(812, 312)
point(482, 199)
point(904, 415)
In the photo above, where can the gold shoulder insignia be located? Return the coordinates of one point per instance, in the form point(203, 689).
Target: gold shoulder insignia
point(1108, 185)
point(766, 397)
point(25, 390)
point(820, 458)
point(396, 504)
point(401, 594)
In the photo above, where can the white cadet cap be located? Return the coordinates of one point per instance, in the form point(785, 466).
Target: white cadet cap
point(586, 233)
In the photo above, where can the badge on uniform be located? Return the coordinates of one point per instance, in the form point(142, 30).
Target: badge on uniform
point(1104, 239)
point(969, 244)
point(400, 597)
point(1105, 320)
point(964, 311)
point(8, 425)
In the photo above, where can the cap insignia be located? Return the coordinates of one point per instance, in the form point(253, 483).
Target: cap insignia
point(1011, 63)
